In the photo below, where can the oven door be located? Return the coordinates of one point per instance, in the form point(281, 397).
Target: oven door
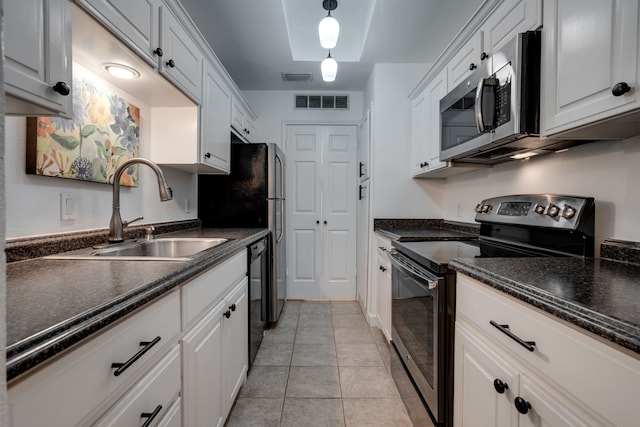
point(415, 323)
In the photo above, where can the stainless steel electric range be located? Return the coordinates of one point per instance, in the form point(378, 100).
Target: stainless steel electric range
point(423, 287)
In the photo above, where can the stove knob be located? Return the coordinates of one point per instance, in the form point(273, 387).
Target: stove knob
point(539, 209)
point(568, 212)
point(486, 208)
point(553, 211)
point(479, 208)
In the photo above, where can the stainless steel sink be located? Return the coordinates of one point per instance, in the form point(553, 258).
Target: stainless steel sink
point(174, 249)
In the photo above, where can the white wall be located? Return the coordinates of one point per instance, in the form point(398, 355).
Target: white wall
point(607, 170)
point(33, 202)
point(275, 107)
point(395, 193)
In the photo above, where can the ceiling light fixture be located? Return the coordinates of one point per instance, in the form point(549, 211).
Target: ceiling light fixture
point(329, 68)
point(121, 71)
point(329, 29)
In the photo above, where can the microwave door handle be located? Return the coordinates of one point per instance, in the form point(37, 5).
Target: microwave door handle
point(478, 106)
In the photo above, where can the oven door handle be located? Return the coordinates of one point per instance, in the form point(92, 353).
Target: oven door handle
point(426, 279)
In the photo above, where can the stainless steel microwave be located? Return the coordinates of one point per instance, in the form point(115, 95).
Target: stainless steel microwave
point(494, 114)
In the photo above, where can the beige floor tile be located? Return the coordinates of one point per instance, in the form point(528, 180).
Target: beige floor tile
point(280, 335)
point(358, 355)
point(375, 412)
point(274, 354)
point(266, 381)
point(359, 335)
point(255, 412)
point(313, 382)
point(315, 320)
point(345, 307)
point(314, 336)
point(349, 321)
point(314, 355)
point(312, 413)
point(367, 382)
point(312, 307)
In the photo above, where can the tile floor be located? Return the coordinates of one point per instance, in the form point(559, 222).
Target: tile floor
point(321, 366)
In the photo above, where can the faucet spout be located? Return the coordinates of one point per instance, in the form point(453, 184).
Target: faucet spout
point(116, 225)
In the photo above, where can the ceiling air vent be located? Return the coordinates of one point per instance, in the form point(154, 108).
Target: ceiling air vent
point(323, 102)
point(297, 77)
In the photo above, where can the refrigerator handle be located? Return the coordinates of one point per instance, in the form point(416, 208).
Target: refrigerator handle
point(281, 221)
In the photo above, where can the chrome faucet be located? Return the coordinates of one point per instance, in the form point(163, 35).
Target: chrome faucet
point(116, 226)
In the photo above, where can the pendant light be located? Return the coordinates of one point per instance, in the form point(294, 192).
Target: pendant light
point(329, 29)
point(329, 68)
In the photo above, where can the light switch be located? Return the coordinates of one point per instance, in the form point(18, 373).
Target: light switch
point(67, 207)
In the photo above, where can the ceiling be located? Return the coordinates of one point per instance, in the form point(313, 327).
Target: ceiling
point(257, 40)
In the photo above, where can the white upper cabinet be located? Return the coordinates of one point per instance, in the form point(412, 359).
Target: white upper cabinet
point(419, 148)
point(215, 120)
point(137, 22)
point(466, 60)
point(241, 121)
point(37, 68)
point(589, 65)
point(182, 60)
point(509, 19)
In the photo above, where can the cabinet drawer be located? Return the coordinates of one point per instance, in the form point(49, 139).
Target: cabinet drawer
point(151, 396)
point(85, 373)
point(567, 357)
point(209, 287)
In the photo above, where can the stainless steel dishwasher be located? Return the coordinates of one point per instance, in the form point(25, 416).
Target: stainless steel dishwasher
point(258, 294)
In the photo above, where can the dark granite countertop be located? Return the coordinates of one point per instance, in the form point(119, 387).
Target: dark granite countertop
point(420, 230)
point(424, 235)
point(53, 304)
point(599, 295)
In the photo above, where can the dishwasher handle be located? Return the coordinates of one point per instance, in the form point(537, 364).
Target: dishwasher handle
point(413, 270)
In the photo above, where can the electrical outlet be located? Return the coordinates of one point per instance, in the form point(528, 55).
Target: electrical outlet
point(67, 207)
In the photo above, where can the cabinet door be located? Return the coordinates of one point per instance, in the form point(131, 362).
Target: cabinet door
point(202, 371)
point(235, 342)
point(37, 36)
point(476, 400)
point(419, 132)
point(182, 60)
point(238, 118)
point(511, 17)
point(436, 89)
point(589, 46)
point(136, 22)
point(215, 119)
point(465, 61)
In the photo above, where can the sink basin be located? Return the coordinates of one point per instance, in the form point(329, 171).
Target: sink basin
point(175, 249)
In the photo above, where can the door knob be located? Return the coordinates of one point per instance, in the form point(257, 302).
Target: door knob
point(62, 88)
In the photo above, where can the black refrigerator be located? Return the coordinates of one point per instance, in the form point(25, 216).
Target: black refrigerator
point(252, 195)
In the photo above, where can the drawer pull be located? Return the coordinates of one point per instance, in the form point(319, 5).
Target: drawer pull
point(233, 307)
point(227, 314)
point(121, 367)
point(529, 345)
point(150, 416)
point(522, 405)
point(500, 386)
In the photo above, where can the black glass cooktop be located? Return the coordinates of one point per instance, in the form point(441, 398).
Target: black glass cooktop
point(436, 255)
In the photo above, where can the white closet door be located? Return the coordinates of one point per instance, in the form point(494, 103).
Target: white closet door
point(321, 207)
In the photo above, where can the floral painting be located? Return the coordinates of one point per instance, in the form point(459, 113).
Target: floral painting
point(103, 133)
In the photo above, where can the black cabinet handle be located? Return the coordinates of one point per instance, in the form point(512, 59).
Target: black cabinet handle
point(529, 345)
point(171, 63)
point(500, 386)
point(317, 222)
point(423, 164)
point(207, 155)
point(158, 52)
point(483, 56)
point(232, 307)
point(121, 367)
point(522, 405)
point(382, 248)
point(325, 222)
point(383, 269)
point(360, 188)
point(227, 314)
point(150, 416)
point(620, 89)
point(472, 66)
point(361, 167)
point(62, 88)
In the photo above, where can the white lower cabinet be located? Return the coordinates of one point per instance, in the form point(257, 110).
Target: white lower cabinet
point(382, 275)
point(568, 379)
point(215, 345)
point(143, 370)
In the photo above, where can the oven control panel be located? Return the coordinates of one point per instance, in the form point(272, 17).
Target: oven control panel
point(541, 210)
